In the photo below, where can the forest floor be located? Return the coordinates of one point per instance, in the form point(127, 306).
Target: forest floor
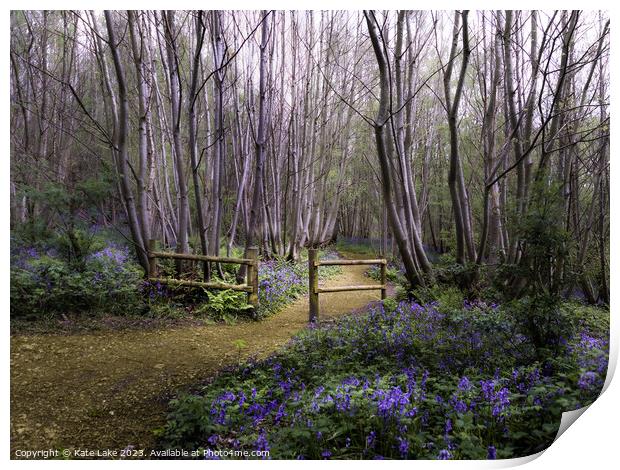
point(110, 390)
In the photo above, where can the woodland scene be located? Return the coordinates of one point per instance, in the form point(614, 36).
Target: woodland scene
point(272, 234)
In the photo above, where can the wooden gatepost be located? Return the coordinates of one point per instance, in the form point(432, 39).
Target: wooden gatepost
point(313, 279)
point(250, 286)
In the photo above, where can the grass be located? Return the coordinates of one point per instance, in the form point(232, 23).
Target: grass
point(358, 247)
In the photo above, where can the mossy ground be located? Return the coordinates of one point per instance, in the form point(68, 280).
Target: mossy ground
point(109, 389)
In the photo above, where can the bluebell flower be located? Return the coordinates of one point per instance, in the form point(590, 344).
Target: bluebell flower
point(459, 406)
point(586, 380)
point(403, 446)
point(261, 443)
point(370, 439)
point(501, 401)
point(464, 384)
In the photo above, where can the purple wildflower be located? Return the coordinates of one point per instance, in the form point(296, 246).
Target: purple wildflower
point(464, 384)
point(370, 439)
point(586, 380)
point(403, 446)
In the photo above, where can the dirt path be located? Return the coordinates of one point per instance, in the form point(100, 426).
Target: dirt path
point(110, 390)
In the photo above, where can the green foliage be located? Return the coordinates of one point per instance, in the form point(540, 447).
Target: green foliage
point(545, 242)
point(545, 321)
point(448, 272)
point(225, 305)
point(34, 233)
point(390, 304)
point(402, 293)
point(392, 274)
point(593, 319)
point(44, 285)
point(239, 345)
point(75, 244)
point(449, 299)
point(68, 199)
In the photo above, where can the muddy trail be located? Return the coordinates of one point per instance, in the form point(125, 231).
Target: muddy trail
point(109, 390)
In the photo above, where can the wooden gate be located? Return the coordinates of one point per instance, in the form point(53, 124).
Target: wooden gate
point(250, 286)
point(313, 279)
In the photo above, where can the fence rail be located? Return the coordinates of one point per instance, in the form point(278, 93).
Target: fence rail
point(313, 279)
point(251, 281)
point(190, 257)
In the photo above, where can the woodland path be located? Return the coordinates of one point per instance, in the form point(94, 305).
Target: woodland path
point(108, 390)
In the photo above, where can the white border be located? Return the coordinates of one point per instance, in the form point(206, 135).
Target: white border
point(593, 443)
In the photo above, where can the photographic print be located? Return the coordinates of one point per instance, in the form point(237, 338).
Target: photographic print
point(309, 234)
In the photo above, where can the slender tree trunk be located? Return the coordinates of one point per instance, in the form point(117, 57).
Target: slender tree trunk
point(175, 116)
point(121, 151)
point(256, 209)
point(193, 146)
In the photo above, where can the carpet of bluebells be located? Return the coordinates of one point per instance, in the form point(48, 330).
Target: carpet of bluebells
point(280, 282)
point(401, 381)
point(46, 282)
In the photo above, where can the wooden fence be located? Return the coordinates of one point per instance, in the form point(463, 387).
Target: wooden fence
point(250, 286)
point(313, 279)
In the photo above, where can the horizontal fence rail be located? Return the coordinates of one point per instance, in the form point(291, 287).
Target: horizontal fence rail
point(190, 257)
point(251, 281)
point(206, 285)
point(313, 279)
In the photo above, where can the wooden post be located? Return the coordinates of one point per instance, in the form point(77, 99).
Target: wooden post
point(313, 285)
point(152, 259)
point(206, 271)
point(252, 277)
point(384, 280)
